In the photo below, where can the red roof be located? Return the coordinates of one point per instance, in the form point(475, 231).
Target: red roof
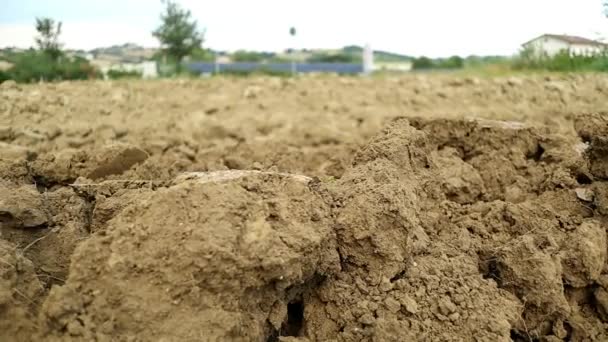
point(570, 39)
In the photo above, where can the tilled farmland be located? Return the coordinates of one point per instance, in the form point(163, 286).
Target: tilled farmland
point(320, 208)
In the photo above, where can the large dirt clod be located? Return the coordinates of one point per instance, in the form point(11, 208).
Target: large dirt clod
point(68, 165)
point(22, 207)
point(114, 160)
point(219, 255)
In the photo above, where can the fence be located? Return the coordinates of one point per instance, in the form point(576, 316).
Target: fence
point(340, 68)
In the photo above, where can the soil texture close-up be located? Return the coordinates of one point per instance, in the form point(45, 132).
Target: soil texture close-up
point(317, 208)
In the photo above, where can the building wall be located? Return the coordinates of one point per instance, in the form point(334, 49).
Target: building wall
point(579, 49)
point(550, 46)
point(547, 46)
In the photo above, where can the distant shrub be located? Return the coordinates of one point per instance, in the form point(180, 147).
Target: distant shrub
point(422, 63)
point(33, 66)
point(454, 62)
point(335, 58)
point(4, 76)
point(249, 56)
point(202, 55)
point(280, 59)
point(167, 70)
point(114, 74)
point(564, 61)
point(425, 63)
point(600, 64)
point(475, 61)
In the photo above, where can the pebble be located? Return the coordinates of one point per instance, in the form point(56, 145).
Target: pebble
point(446, 306)
point(584, 194)
point(367, 319)
point(409, 304)
point(252, 92)
point(454, 316)
point(386, 285)
point(392, 304)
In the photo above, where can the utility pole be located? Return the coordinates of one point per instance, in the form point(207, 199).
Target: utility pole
point(292, 33)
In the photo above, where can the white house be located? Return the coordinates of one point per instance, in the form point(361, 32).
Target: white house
point(551, 44)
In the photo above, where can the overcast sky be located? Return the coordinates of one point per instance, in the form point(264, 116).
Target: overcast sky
point(423, 27)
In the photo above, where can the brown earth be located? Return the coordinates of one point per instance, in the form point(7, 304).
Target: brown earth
point(418, 208)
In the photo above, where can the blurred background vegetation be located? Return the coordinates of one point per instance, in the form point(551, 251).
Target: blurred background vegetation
point(528, 59)
point(35, 66)
point(182, 41)
point(48, 62)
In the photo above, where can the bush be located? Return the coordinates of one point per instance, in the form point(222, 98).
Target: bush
point(121, 74)
point(454, 62)
point(4, 76)
point(476, 61)
point(600, 64)
point(335, 58)
point(202, 55)
point(422, 63)
point(563, 61)
point(34, 66)
point(248, 56)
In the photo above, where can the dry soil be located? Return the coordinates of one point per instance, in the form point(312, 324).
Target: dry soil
point(321, 208)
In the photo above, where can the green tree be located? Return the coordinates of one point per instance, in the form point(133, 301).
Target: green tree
point(178, 33)
point(423, 63)
point(48, 37)
point(454, 62)
point(202, 55)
